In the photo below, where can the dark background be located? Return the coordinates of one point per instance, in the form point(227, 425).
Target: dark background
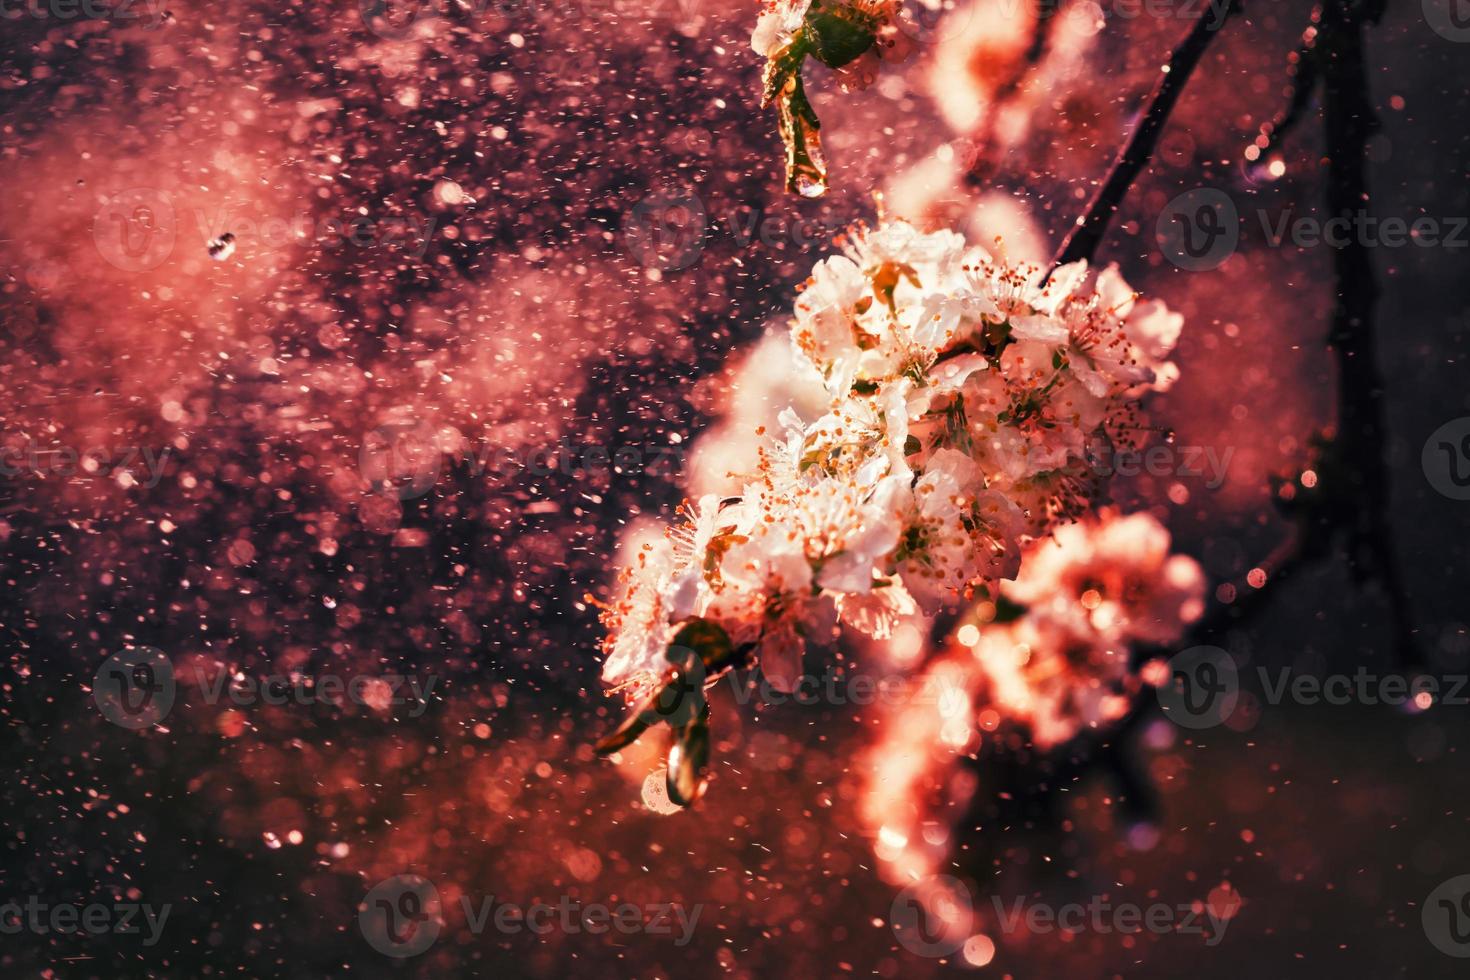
point(534, 322)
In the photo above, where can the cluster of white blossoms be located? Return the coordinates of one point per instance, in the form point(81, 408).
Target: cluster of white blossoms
point(967, 401)
point(1092, 594)
point(1062, 662)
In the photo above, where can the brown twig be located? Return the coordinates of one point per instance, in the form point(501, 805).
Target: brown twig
point(1087, 235)
point(1089, 230)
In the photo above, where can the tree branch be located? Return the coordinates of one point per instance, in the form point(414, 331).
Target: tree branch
point(1087, 235)
point(1361, 438)
point(1349, 499)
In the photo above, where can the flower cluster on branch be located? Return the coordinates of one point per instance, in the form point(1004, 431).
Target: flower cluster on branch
point(967, 399)
point(1053, 658)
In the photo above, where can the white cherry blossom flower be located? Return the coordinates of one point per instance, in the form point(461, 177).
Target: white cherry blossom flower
point(777, 24)
point(966, 400)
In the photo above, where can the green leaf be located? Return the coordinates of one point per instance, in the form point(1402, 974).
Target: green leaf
point(1007, 611)
point(839, 38)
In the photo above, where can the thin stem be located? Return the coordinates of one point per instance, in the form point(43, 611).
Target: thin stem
point(1087, 235)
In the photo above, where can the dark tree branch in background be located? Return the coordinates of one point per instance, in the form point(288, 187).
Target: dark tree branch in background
point(1348, 499)
point(1089, 230)
point(1088, 233)
point(1361, 502)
